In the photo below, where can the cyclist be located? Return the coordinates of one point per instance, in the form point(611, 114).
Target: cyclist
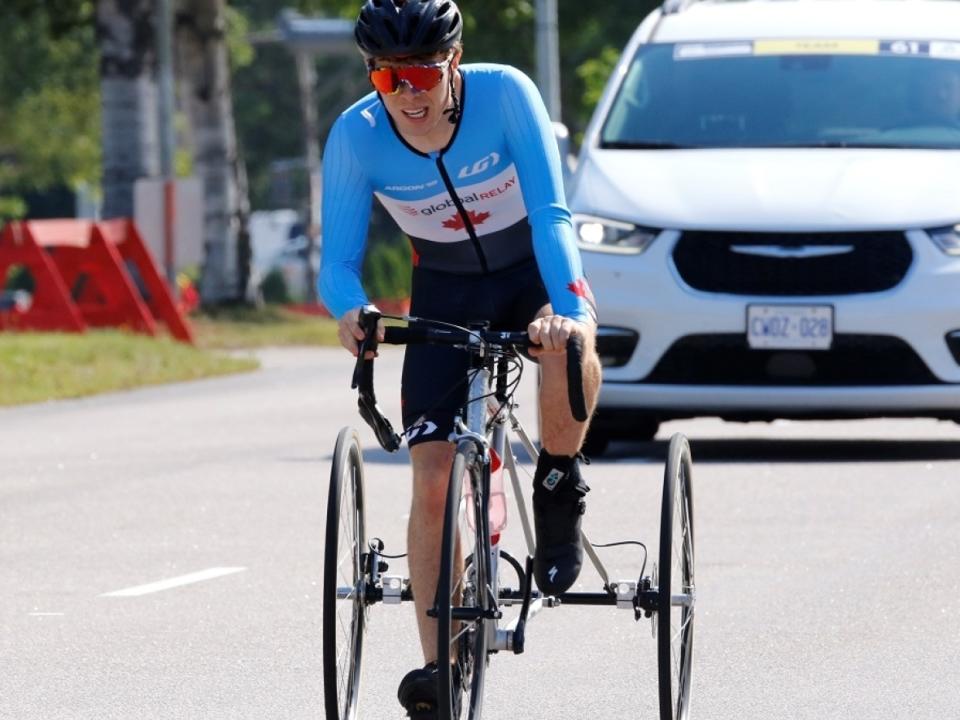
point(464, 159)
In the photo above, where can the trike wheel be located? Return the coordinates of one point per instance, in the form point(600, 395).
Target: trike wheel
point(344, 580)
point(676, 587)
point(463, 593)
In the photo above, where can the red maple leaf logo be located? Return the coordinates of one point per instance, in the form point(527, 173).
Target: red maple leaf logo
point(580, 288)
point(456, 222)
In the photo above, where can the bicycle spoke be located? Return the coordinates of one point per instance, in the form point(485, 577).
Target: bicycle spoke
point(340, 565)
point(682, 627)
point(342, 677)
point(346, 632)
point(464, 629)
point(457, 589)
point(349, 633)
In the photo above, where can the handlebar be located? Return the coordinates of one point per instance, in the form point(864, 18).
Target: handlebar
point(423, 333)
point(455, 336)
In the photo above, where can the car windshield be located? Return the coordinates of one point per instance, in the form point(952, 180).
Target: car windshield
point(864, 93)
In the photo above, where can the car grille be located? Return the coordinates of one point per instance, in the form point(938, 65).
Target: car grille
point(792, 263)
point(726, 359)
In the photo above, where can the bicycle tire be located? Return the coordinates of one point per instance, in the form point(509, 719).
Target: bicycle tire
point(344, 619)
point(462, 645)
point(677, 587)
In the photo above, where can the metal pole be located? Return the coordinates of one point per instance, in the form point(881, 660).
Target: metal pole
point(307, 75)
point(548, 56)
point(167, 137)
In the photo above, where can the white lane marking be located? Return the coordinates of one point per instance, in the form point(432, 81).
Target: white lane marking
point(45, 614)
point(196, 577)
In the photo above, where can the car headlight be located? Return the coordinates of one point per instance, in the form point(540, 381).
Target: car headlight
point(613, 236)
point(947, 238)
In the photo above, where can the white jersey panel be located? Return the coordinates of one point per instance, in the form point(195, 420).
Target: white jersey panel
point(492, 205)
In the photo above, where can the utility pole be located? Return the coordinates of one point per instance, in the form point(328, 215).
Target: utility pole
point(307, 38)
point(548, 56)
point(167, 137)
point(307, 77)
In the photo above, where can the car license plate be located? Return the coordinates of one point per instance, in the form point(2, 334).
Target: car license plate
point(795, 327)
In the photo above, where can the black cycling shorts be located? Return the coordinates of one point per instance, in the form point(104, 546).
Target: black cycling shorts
point(434, 385)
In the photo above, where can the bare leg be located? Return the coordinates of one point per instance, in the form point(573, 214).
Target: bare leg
point(431, 476)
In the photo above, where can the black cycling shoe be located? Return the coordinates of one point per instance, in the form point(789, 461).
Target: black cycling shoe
point(558, 505)
point(419, 694)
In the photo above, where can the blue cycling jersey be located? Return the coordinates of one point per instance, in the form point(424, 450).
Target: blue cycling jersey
point(491, 199)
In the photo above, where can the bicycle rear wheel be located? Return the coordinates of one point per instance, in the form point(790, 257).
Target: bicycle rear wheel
point(677, 589)
point(463, 592)
point(344, 580)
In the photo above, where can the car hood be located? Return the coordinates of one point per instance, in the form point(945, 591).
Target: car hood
point(762, 190)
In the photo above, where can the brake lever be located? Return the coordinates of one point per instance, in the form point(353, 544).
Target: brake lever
point(363, 381)
point(369, 319)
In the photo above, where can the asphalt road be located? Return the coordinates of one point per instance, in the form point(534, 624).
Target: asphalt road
point(827, 573)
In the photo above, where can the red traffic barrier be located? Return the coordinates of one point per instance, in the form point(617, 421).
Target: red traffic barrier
point(51, 307)
point(123, 234)
point(88, 274)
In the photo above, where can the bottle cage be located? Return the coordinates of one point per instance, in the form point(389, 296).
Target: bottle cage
point(363, 382)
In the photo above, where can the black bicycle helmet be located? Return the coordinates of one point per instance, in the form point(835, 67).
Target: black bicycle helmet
point(396, 28)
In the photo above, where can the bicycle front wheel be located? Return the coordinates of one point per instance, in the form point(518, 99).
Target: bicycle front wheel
point(344, 580)
point(464, 594)
point(677, 589)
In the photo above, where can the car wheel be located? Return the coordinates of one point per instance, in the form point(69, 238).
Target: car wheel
point(595, 443)
point(644, 429)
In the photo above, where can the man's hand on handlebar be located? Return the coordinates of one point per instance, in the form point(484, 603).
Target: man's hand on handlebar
point(551, 333)
point(351, 333)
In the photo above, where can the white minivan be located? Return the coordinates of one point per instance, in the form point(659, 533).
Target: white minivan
point(767, 200)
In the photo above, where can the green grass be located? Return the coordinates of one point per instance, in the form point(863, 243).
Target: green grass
point(239, 327)
point(35, 367)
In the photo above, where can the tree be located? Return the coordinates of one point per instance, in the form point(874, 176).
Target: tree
point(49, 101)
point(126, 36)
point(205, 94)
point(126, 30)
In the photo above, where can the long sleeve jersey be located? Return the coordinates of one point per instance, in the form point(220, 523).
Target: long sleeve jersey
point(491, 199)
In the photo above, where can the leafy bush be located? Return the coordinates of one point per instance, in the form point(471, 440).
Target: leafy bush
point(274, 288)
point(18, 278)
point(11, 208)
point(387, 269)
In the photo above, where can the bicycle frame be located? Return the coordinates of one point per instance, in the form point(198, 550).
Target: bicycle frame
point(622, 594)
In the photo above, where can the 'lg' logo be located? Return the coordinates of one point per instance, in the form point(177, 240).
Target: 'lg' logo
point(479, 166)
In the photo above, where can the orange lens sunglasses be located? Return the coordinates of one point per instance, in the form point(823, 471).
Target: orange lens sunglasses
point(421, 78)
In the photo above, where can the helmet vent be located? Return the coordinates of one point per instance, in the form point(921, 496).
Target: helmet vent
point(407, 27)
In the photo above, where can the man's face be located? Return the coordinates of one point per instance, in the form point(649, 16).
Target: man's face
point(419, 112)
point(940, 93)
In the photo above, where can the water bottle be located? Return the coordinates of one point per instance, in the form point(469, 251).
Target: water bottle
point(497, 512)
point(497, 507)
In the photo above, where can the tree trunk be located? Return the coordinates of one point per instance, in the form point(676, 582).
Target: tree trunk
point(126, 38)
point(204, 82)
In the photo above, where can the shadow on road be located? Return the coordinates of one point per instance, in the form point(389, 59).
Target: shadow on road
point(371, 456)
point(798, 450)
point(733, 450)
point(402, 456)
point(382, 457)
